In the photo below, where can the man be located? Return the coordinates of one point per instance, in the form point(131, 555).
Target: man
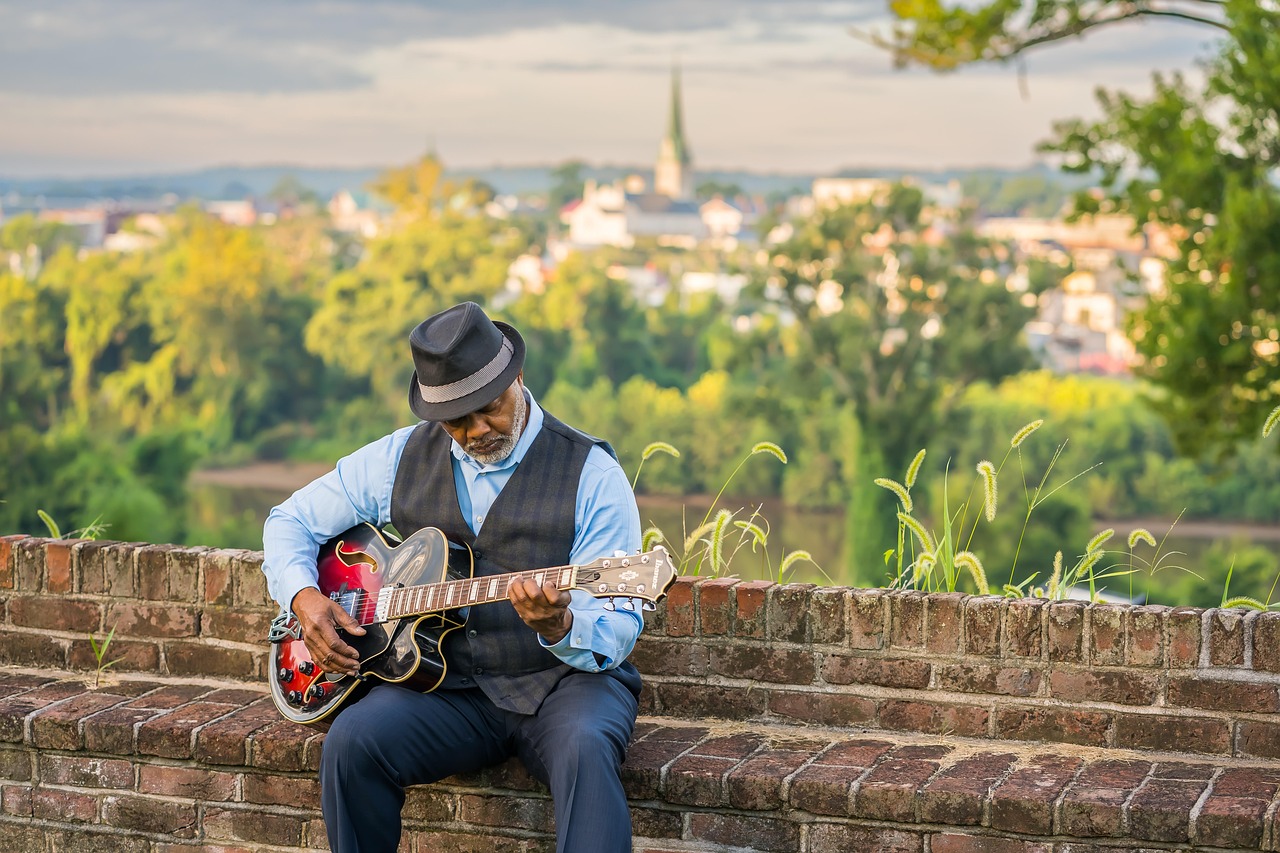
point(544, 678)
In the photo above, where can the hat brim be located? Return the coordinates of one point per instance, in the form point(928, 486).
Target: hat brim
point(476, 399)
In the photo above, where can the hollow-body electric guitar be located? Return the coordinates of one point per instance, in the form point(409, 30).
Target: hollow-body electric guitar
point(408, 595)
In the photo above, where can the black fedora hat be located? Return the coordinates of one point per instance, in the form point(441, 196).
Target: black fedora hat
point(462, 361)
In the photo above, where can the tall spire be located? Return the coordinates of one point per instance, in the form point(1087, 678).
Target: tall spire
point(673, 173)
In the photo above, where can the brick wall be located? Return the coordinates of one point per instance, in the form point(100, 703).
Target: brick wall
point(775, 718)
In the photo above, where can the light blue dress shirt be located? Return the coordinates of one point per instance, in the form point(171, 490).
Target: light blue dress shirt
point(606, 520)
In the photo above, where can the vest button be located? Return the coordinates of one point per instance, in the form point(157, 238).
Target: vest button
point(472, 633)
point(479, 670)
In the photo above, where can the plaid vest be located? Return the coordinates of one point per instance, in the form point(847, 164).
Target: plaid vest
point(530, 526)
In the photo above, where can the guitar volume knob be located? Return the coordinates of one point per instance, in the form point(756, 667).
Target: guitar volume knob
point(295, 697)
point(285, 675)
point(306, 667)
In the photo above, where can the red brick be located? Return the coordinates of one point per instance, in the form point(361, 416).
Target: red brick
point(55, 614)
point(133, 620)
point(695, 701)
point(87, 567)
point(192, 783)
point(698, 780)
point(522, 812)
point(855, 752)
point(823, 708)
point(28, 565)
point(1065, 631)
point(421, 803)
point(1159, 731)
point(867, 614)
point(1223, 695)
point(282, 746)
point(763, 834)
point(58, 727)
point(756, 783)
point(153, 572)
point(762, 663)
point(23, 648)
point(889, 791)
point(433, 840)
point(1161, 809)
point(944, 615)
point(118, 571)
point(1119, 686)
point(1184, 627)
point(654, 656)
point(15, 800)
point(1146, 635)
point(273, 789)
point(1266, 643)
point(1226, 637)
point(987, 678)
point(7, 547)
point(1024, 801)
point(147, 814)
point(14, 710)
point(983, 616)
point(1089, 812)
point(235, 624)
point(751, 616)
point(948, 842)
point(935, 718)
point(86, 772)
point(218, 585)
point(642, 771)
point(789, 607)
point(1259, 739)
point(250, 582)
point(201, 659)
point(714, 603)
point(123, 656)
point(1233, 822)
point(172, 735)
point(884, 672)
point(62, 805)
point(824, 789)
point(1023, 632)
point(655, 823)
point(956, 796)
point(827, 609)
point(255, 826)
point(184, 574)
point(1057, 725)
point(843, 838)
point(906, 619)
point(1106, 634)
point(15, 764)
point(57, 563)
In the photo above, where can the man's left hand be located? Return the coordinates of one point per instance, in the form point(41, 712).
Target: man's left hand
point(544, 608)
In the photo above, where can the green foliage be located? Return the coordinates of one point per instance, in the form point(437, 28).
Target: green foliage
point(100, 655)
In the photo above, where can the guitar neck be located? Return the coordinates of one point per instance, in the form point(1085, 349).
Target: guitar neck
point(401, 602)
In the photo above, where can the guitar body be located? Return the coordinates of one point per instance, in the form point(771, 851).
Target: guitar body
point(354, 568)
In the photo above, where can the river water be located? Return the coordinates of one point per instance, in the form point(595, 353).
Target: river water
point(228, 508)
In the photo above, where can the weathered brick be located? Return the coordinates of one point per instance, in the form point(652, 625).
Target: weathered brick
point(135, 620)
point(715, 615)
point(282, 746)
point(1023, 633)
point(203, 660)
point(790, 606)
point(1160, 731)
point(7, 558)
point(762, 663)
point(28, 564)
point(655, 656)
point(1223, 695)
point(236, 624)
point(15, 800)
point(827, 608)
point(118, 570)
point(756, 783)
point(420, 803)
point(1087, 812)
point(867, 613)
point(184, 574)
point(86, 772)
point(1106, 634)
point(250, 582)
point(1266, 642)
point(57, 565)
point(192, 783)
point(763, 834)
point(23, 648)
point(20, 836)
point(53, 613)
point(1065, 631)
point(523, 812)
point(153, 571)
point(885, 672)
point(219, 586)
point(889, 791)
point(1120, 686)
point(14, 710)
point(87, 567)
point(824, 789)
point(113, 730)
point(843, 837)
point(935, 718)
point(906, 619)
point(1024, 801)
point(58, 727)
point(951, 842)
point(1258, 739)
point(148, 814)
point(15, 764)
point(1146, 635)
point(274, 789)
point(61, 804)
point(751, 600)
point(121, 655)
point(987, 678)
point(1227, 636)
point(944, 616)
point(1235, 823)
point(1184, 630)
point(1161, 809)
point(255, 826)
point(823, 708)
point(1056, 725)
point(983, 616)
point(697, 780)
point(642, 771)
point(171, 735)
point(694, 701)
point(958, 794)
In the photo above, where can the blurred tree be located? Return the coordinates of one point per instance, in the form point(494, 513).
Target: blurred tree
point(566, 184)
point(1197, 160)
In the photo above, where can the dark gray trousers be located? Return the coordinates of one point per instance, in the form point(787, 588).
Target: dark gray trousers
point(394, 737)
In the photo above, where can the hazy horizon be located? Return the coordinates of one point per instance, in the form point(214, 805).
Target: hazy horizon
point(147, 87)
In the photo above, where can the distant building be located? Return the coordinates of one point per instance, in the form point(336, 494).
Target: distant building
point(673, 173)
point(240, 212)
point(833, 192)
point(356, 213)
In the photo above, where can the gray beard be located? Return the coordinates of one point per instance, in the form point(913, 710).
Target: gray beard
point(507, 443)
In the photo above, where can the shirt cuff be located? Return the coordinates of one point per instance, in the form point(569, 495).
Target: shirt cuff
point(575, 647)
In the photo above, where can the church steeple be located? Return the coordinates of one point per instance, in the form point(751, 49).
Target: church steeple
point(673, 173)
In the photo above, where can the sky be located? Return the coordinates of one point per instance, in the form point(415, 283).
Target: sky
point(90, 88)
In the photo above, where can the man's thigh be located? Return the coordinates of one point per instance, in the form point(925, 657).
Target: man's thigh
point(593, 713)
point(421, 737)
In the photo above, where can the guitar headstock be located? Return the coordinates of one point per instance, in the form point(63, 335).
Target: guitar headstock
point(644, 576)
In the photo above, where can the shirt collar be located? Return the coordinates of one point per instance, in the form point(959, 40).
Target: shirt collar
point(532, 426)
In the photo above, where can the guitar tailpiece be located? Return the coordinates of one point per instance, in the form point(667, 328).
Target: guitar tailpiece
point(284, 627)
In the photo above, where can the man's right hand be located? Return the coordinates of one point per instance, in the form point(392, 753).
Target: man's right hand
point(320, 618)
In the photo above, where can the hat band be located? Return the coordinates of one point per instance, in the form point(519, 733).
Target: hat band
point(470, 384)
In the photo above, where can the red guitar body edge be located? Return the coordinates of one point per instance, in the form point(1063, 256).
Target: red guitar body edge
point(398, 651)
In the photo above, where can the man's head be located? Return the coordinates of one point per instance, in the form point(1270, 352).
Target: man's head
point(468, 376)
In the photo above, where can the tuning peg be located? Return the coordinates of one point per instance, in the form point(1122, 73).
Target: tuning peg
point(630, 604)
point(648, 606)
point(608, 605)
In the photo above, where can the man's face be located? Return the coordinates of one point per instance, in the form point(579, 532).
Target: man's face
point(489, 434)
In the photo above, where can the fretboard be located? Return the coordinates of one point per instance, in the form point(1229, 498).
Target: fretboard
point(399, 602)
